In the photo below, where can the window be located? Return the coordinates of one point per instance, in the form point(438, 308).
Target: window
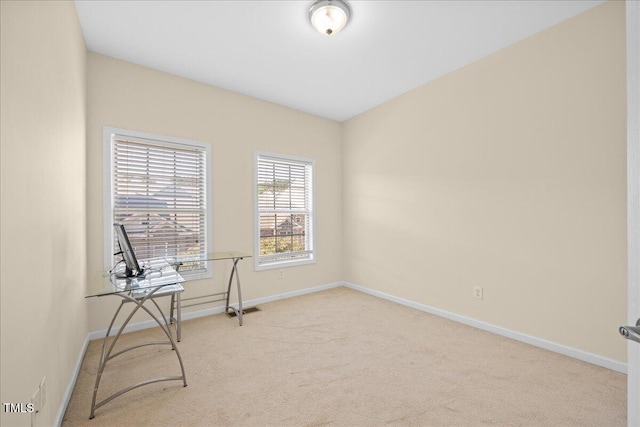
point(158, 188)
point(284, 217)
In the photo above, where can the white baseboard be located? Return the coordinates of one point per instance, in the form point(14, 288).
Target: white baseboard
point(132, 327)
point(594, 359)
point(72, 383)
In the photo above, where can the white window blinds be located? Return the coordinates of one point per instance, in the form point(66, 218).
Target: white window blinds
point(159, 193)
point(284, 210)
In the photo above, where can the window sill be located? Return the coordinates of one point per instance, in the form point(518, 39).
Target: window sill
point(282, 264)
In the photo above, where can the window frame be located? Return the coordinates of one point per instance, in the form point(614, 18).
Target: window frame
point(109, 134)
point(270, 265)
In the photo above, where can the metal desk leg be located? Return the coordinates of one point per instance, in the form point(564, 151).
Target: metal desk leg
point(107, 349)
point(175, 299)
point(177, 308)
point(234, 270)
point(171, 309)
point(103, 356)
point(179, 315)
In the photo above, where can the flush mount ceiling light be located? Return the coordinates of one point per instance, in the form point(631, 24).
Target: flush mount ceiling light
point(329, 16)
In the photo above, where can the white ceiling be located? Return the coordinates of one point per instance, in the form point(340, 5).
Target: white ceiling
point(267, 49)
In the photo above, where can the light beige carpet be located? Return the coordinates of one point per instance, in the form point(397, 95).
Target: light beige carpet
point(344, 358)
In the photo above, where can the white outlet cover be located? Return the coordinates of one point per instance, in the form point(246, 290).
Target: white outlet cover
point(478, 292)
point(35, 400)
point(43, 394)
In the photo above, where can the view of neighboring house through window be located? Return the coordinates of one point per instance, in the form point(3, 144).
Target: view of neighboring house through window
point(284, 210)
point(159, 192)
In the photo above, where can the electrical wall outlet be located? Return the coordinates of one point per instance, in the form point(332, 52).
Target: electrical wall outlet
point(35, 402)
point(280, 274)
point(43, 393)
point(38, 399)
point(477, 292)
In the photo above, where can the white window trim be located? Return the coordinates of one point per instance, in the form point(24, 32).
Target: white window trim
point(256, 214)
point(108, 133)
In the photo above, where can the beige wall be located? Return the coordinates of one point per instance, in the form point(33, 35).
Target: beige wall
point(44, 321)
point(128, 96)
point(508, 174)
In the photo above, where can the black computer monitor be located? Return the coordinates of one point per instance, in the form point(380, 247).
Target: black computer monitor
point(132, 268)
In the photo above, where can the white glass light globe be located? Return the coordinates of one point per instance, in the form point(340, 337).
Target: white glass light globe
point(329, 16)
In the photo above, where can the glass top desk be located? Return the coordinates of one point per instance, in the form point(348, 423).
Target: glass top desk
point(182, 261)
point(159, 279)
